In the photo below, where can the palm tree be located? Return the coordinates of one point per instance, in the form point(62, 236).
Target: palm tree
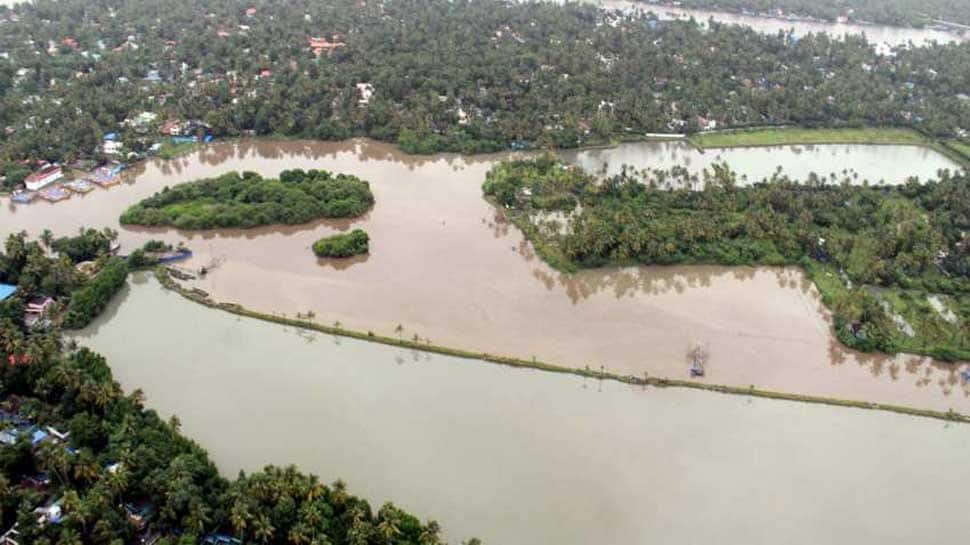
point(262, 529)
point(47, 238)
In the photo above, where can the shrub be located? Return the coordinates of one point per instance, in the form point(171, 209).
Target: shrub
point(355, 242)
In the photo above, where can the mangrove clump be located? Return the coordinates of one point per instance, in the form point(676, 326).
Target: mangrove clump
point(356, 242)
point(249, 200)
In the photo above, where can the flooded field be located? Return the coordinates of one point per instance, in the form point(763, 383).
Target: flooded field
point(873, 163)
point(446, 267)
point(523, 457)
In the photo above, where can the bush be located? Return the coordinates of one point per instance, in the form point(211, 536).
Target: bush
point(355, 242)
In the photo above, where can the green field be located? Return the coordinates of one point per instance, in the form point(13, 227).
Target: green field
point(779, 137)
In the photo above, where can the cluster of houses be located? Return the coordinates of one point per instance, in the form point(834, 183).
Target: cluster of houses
point(54, 182)
point(49, 182)
point(15, 427)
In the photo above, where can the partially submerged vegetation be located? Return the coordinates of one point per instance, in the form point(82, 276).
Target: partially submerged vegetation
point(356, 242)
point(249, 200)
point(875, 253)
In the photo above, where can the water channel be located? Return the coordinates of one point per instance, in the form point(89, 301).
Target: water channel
point(445, 266)
point(523, 457)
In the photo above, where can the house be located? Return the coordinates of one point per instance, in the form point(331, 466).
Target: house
point(50, 513)
point(319, 45)
point(6, 290)
point(366, 91)
point(59, 435)
point(8, 537)
point(112, 146)
point(43, 177)
point(250, 12)
point(138, 513)
point(153, 76)
point(39, 305)
point(220, 539)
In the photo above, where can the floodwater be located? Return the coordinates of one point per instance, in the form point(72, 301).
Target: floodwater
point(882, 36)
point(446, 266)
point(889, 164)
point(516, 456)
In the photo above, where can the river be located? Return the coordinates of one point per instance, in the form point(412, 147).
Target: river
point(446, 266)
point(516, 456)
point(883, 37)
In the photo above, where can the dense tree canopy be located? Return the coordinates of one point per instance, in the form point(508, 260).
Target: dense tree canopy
point(875, 252)
point(466, 75)
point(248, 200)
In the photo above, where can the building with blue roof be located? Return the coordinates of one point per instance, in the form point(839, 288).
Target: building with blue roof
point(6, 290)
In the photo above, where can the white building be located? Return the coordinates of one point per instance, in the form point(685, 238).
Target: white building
point(43, 177)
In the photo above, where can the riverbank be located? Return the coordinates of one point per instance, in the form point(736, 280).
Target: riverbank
point(169, 283)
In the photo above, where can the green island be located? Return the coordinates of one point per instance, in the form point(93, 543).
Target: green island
point(249, 200)
point(85, 462)
point(356, 242)
point(892, 263)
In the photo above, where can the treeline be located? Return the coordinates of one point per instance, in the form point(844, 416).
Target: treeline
point(463, 75)
point(356, 242)
point(913, 13)
point(249, 200)
point(88, 301)
point(876, 253)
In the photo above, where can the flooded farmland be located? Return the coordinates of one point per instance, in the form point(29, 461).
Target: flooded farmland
point(516, 456)
point(447, 268)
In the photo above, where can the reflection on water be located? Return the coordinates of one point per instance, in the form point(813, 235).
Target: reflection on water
point(523, 457)
point(446, 266)
point(873, 163)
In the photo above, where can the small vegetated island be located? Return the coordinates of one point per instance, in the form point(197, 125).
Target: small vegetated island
point(356, 242)
point(249, 200)
point(893, 263)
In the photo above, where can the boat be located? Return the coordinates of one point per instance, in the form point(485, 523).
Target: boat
point(80, 186)
point(55, 194)
point(169, 257)
point(696, 369)
point(23, 197)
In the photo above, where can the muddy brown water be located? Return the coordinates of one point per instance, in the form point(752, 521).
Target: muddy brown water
point(445, 266)
point(517, 456)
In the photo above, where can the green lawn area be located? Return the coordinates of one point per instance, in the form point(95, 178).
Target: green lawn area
point(778, 137)
point(963, 148)
point(170, 150)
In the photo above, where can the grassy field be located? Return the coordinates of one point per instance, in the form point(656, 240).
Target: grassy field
point(779, 137)
point(171, 151)
point(962, 148)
